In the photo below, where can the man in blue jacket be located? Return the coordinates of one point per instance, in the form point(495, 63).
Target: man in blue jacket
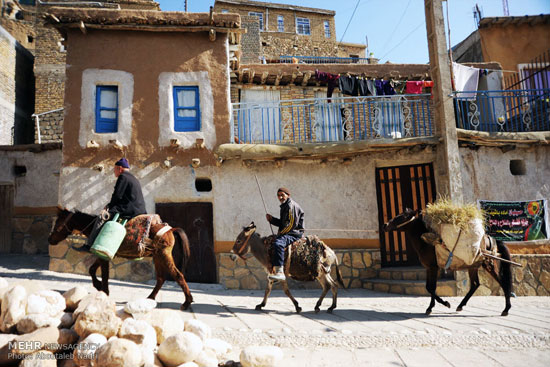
point(291, 228)
point(127, 200)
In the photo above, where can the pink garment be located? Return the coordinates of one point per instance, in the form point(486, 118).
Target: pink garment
point(414, 87)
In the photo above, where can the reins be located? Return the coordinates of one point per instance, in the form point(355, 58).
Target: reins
point(245, 244)
point(405, 223)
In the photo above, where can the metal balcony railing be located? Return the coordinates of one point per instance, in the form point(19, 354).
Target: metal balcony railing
point(503, 110)
point(336, 119)
point(323, 60)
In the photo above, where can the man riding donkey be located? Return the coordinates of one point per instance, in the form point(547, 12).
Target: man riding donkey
point(291, 229)
point(127, 201)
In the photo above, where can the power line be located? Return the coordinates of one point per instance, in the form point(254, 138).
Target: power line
point(397, 26)
point(403, 40)
point(350, 18)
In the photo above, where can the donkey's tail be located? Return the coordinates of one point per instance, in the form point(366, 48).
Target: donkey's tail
point(339, 279)
point(181, 251)
point(505, 268)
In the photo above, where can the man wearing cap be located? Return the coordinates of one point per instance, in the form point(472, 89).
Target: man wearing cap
point(127, 200)
point(291, 228)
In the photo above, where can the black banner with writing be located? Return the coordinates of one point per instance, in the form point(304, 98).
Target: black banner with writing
point(516, 220)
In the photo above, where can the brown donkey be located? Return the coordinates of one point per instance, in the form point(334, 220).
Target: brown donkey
point(161, 248)
point(410, 221)
point(305, 260)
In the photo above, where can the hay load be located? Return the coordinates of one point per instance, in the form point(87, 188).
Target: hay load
point(461, 228)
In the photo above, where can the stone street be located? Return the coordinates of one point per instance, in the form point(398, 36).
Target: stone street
point(367, 328)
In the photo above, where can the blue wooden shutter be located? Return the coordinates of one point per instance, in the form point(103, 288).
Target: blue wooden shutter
point(106, 109)
point(187, 113)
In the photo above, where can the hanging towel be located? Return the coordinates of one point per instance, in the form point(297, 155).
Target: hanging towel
point(331, 79)
point(414, 87)
point(366, 87)
point(466, 79)
point(348, 85)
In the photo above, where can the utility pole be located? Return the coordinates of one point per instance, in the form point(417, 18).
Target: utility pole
point(448, 163)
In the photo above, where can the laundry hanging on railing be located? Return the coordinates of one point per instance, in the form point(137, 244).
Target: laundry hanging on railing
point(331, 79)
point(414, 86)
point(466, 79)
point(384, 88)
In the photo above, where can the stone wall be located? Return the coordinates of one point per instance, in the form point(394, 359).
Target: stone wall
point(355, 265)
point(51, 127)
point(30, 233)
point(7, 87)
point(250, 41)
point(64, 259)
point(532, 279)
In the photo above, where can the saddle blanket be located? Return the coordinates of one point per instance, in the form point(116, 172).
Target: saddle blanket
point(137, 242)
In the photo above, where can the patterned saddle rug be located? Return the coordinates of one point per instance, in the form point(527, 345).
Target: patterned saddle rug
point(138, 242)
point(302, 257)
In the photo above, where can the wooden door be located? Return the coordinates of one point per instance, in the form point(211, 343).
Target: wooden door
point(398, 188)
point(6, 217)
point(196, 220)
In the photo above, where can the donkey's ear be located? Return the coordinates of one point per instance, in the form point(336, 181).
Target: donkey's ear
point(59, 209)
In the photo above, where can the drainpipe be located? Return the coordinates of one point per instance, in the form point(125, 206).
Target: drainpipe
point(37, 116)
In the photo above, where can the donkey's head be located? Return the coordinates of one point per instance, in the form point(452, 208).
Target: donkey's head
point(401, 220)
point(241, 245)
point(61, 228)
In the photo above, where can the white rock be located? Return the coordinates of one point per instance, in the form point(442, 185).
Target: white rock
point(45, 302)
point(85, 352)
point(179, 348)
point(261, 356)
point(40, 359)
point(188, 364)
point(119, 353)
point(30, 323)
point(206, 358)
point(143, 305)
point(96, 314)
point(14, 304)
point(220, 347)
point(73, 297)
point(198, 328)
point(140, 332)
point(3, 283)
point(165, 322)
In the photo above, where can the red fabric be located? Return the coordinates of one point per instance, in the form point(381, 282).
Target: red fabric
point(414, 87)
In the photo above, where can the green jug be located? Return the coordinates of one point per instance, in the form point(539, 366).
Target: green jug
point(109, 239)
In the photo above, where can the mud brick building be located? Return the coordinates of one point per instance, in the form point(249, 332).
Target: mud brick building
point(288, 30)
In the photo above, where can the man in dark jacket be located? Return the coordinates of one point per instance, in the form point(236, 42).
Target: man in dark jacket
point(291, 228)
point(127, 200)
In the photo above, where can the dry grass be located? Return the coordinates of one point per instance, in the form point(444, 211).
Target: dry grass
point(445, 211)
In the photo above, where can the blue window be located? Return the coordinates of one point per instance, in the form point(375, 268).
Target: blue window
point(260, 17)
point(302, 26)
point(280, 23)
point(106, 109)
point(327, 29)
point(187, 112)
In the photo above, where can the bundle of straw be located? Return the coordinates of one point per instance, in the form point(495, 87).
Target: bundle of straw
point(444, 211)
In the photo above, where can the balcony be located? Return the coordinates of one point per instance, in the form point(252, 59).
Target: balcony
point(322, 120)
point(324, 60)
point(503, 110)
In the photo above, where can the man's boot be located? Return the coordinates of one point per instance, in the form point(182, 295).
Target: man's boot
point(278, 275)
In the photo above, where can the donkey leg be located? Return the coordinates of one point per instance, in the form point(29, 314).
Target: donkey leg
point(474, 284)
point(104, 276)
point(267, 292)
point(160, 275)
point(431, 286)
point(334, 290)
point(287, 292)
point(323, 282)
point(92, 271)
point(165, 257)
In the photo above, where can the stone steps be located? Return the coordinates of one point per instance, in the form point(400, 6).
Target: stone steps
point(403, 273)
point(445, 287)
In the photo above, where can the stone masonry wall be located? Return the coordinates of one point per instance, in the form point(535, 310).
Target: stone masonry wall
point(66, 260)
point(7, 87)
point(30, 234)
point(250, 41)
point(355, 265)
point(532, 279)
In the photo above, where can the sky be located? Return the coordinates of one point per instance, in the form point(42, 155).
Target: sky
point(395, 29)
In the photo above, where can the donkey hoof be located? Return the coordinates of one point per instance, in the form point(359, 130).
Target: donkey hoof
point(428, 311)
point(317, 309)
point(459, 308)
point(504, 313)
point(330, 310)
point(185, 306)
point(298, 309)
point(259, 307)
point(447, 304)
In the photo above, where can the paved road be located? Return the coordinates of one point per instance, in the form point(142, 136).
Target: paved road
point(367, 328)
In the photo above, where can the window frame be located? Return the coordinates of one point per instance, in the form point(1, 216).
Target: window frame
point(280, 23)
point(105, 125)
point(326, 25)
point(260, 17)
point(300, 25)
point(186, 124)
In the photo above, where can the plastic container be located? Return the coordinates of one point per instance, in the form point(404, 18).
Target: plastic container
point(109, 239)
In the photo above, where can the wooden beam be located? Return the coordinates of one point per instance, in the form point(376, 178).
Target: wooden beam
point(150, 28)
point(265, 74)
point(278, 78)
point(82, 27)
point(306, 78)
